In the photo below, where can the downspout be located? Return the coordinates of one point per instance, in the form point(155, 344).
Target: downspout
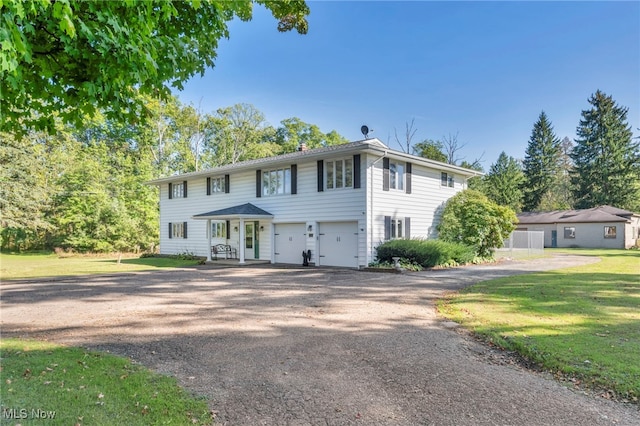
point(371, 204)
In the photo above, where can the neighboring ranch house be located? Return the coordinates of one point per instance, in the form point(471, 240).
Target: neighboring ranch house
point(338, 203)
point(599, 227)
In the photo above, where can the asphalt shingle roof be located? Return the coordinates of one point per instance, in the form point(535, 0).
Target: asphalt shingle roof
point(247, 209)
point(596, 214)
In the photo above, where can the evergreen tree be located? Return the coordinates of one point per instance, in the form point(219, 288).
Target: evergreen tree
point(606, 158)
point(541, 163)
point(559, 196)
point(503, 182)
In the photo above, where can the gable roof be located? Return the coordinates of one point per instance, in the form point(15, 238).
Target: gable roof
point(247, 210)
point(369, 145)
point(596, 214)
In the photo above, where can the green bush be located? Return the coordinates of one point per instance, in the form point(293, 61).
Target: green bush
point(471, 218)
point(427, 253)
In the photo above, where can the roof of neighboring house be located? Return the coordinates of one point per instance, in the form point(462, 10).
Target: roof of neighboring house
point(363, 145)
point(596, 214)
point(247, 210)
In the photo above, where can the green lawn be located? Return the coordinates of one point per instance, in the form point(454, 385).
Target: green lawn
point(581, 322)
point(33, 265)
point(45, 383)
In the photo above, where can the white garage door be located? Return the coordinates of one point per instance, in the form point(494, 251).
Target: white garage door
point(290, 241)
point(338, 244)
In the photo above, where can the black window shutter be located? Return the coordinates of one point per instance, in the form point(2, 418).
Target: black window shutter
point(227, 188)
point(387, 228)
point(385, 174)
point(407, 228)
point(228, 230)
point(356, 171)
point(170, 230)
point(320, 175)
point(208, 186)
point(184, 229)
point(258, 183)
point(294, 178)
point(407, 185)
point(170, 192)
point(185, 189)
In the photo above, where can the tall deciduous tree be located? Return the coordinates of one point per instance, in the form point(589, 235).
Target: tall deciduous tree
point(294, 132)
point(430, 149)
point(541, 163)
point(503, 182)
point(606, 158)
point(73, 57)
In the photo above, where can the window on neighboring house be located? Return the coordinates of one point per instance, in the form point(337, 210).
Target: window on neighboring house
point(178, 230)
point(218, 185)
point(396, 176)
point(569, 232)
point(178, 190)
point(610, 232)
point(339, 173)
point(276, 182)
point(219, 229)
point(446, 180)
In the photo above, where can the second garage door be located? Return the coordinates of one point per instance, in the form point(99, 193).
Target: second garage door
point(338, 244)
point(290, 241)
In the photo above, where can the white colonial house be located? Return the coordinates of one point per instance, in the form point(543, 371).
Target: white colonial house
point(336, 203)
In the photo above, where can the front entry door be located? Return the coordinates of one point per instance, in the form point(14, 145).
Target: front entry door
point(554, 238)
point(250, 243)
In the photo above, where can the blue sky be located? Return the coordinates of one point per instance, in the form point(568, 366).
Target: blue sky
point(481, 70)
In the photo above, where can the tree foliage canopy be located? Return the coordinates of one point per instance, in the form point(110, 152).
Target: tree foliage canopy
point(541, 164)
point(503, 182)
point(83, 187)
point(471, 218)
point(606, 158)
point(76, 57)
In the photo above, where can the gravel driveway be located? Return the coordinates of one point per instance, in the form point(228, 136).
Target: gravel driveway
point(298, 346)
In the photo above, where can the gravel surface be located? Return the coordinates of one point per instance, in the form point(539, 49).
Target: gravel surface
point(308, 346)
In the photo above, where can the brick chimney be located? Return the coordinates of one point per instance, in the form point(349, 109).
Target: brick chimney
point(302, 147)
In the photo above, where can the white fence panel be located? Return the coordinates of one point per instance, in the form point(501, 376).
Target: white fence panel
point(523, 243)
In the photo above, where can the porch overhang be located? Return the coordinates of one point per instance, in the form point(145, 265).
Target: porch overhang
point(242, 213)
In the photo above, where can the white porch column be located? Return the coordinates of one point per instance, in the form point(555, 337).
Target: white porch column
point(209, 239)
point(242, 241)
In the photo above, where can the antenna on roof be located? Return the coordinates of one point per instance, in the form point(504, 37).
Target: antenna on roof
point(365, 131)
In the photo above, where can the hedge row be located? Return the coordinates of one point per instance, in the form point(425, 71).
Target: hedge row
point(427, 253)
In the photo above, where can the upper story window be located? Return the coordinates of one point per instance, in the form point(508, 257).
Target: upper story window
point(218, 185)
point(396, 176)
point(276, 182)
point(339, 173)
point(610, 232)
point(178, 190)
point(446, 179)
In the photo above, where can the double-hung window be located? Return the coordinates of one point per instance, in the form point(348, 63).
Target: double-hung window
point(339, 173)
point(396, 176)
point(219, 229)
point(276, 182)
point(178, 230)
point(218, 185)
point(178, 190)
point(446, 180)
